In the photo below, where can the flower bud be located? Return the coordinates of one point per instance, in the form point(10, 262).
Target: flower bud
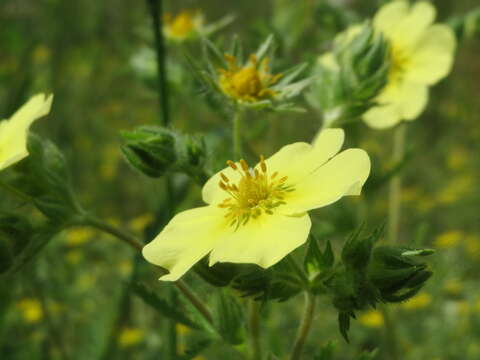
point(151, 150)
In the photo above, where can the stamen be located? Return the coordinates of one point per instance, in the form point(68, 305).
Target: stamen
point(224, 178)
point(244, 165)
point(223, 186)
point(263, 166)
point(232, 164)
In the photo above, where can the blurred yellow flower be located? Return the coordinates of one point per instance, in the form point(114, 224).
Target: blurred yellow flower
point(248, 83)
point(453, 287)
point(74, 257)
point(421, 54)
point(456, 189)
point(472, 245)
point(182, 329)
point(259, 214)
point(139, 223)
point(30, 309)
point(14, 131)
point(184, 25)
point(372, 319)
point(419, 301)
point(130, 337)
point(41, 54)
point(79, 235)
point(448, 239)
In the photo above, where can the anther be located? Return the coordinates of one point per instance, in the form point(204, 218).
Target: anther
point(263, 166)
point(223, 186)
point(232, 164)
point(274, 175)
point(244, 165)
point(224, 178)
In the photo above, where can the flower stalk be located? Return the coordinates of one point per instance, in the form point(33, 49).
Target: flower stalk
point(304, 327)
point(254, 327)
point(237, 134)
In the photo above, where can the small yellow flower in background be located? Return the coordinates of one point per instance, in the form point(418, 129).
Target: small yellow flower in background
point(184, 25)
point(448, 239)
point(472, 245)
point(182, 329)
point(130, 337)
point(421, 54)
point(259, 214)
point(419, 301)
point(14, 131)
point(110, 160)
point(30, 309)
point(453, 287)
point(79, 235)
point(125, 267)
point(372, 319)
point(456, 189)
point(248, 83)
point(139, 223)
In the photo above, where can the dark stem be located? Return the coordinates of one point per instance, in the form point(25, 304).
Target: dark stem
point(156, 13)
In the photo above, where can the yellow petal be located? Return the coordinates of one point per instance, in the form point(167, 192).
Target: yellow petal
point(13, 132)
point(433, 56)
point(188, 237)
point(343, 175)
point(298, 160)
point(405, 26)
point(401, 101)
point(263, 241)
point(295, 161)
point(390, 15)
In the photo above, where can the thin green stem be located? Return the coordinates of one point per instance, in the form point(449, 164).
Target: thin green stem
point(254, 327)
point(136, 244)
point(156, 13)
point(18, 194)
point(305, 326)
point(237, 134)
point(396, 185)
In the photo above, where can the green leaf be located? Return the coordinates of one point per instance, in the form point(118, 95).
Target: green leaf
point(368, 355)
point(161, 305)
point(264, 47)
point(344, 324)
point(326, 352)
point(229, 316)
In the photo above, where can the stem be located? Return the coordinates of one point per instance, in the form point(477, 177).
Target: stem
point(133, 242)
point(172, 330)
point(237, 134)
point(396, 185)
point(254, 326)
point(20, 195)
point(156, 12)
point(305, 326)
point(390, 333)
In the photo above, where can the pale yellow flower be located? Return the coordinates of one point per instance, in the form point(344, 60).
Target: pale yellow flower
point(419, 301)
point(421, 54)
point(259, 215)
point(14, 131)
point(130, 337)
point(30, 309)
point(372, 319)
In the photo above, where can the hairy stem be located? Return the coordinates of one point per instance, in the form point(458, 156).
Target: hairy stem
point(396, 185)
point(254, 327)
point(305, 326)
point(156, 13)
point(237, 134)
point(133, 242)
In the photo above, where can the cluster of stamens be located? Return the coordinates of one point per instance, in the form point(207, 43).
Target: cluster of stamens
point(249, 83)
point(399, 62)
point(256, 192)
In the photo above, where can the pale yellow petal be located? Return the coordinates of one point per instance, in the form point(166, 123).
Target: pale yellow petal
point(212, 193)
point(413, 100)
point(263, 241)
point(298, 160)
point(187, 238)
point(433, 56)
point(406, 28)
point(13, 132)
point(343, 175)
point(390, 15)
point(383, 116)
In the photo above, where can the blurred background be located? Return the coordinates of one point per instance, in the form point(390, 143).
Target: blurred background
point(74, 302)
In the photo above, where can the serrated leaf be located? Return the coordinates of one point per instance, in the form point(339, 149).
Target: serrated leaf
point(161, 305)
point(344, 325)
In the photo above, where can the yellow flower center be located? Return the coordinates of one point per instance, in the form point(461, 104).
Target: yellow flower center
point(256, 192)
point(249, 83)
point(399, 63)
point(181, 25)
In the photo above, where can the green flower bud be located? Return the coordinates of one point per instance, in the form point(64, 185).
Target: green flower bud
point(356, 251)
point(151, 150)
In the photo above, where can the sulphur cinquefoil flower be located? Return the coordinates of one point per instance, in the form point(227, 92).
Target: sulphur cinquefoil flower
point(189, 24)
point(421, 54)
point(14, 131)
point(259, 214)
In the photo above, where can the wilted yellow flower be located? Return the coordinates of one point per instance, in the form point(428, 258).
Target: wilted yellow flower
point(248, 83)
point(371, 318)
point(419, 301)
point(130, 337)
point(448, 239)
point(14, 131)
point(30, 309)
point(259, 214)
point(421, 54)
